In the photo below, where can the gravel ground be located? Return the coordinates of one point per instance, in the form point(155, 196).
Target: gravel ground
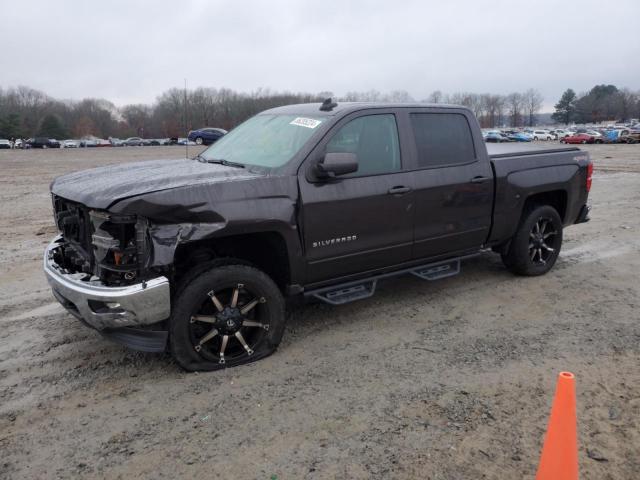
point(445, 380)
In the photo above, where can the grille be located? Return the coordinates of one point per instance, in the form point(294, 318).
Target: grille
point(72, 219)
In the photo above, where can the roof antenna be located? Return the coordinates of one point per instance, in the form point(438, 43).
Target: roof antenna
point(328, 105)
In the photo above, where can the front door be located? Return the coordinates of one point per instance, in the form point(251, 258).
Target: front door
point(364, 220)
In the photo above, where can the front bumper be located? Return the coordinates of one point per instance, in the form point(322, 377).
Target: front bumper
point(107, 308)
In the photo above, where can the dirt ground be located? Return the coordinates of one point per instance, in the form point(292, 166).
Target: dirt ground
point(445, 380)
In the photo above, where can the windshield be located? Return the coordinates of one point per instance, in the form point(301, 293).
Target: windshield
point(264, 140)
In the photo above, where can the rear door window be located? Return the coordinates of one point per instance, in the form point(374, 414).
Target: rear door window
point(442, 139)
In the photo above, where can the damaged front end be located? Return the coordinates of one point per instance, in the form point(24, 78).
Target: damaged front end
point(98, 270)
point(112, 248)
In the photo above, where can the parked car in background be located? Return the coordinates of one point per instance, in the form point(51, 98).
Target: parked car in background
point(5, 144)
point(519, 137)
point(496, 137)
point(41, 142)
point(69, 144)
point(542, 135)
point(596, 135)
point(621, 135)
point(134, 142)
point(88, 142)
point(578, 138)
point(116, 142)
point(206, 136)
point(561, 133)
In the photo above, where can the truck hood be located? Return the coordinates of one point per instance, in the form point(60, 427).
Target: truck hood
point(102, 187)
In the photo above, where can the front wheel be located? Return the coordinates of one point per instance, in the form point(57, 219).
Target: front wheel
point(536, 245)
point(226, 316)
point(199, 141)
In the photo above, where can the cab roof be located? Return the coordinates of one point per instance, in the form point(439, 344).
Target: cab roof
point(313, 109)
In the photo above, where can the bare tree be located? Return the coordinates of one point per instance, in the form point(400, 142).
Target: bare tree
point(627, 101)
point(515, 103)
point(435, 97)
point(532, 100)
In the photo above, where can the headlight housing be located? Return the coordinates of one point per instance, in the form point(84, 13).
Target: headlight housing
point(119, 246)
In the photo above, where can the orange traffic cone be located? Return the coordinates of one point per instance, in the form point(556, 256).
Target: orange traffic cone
point(559, 459)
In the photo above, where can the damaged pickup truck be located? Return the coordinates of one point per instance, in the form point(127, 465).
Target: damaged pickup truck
point(196, 256)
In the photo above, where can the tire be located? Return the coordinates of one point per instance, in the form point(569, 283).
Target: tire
point(198, 140)
point(45, 146)
point(198, 296)
point(536, 244)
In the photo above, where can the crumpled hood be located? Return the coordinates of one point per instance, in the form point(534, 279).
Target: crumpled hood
point(101, 187)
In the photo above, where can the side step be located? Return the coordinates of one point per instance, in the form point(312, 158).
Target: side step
point(345, 293)
point(361, 289)
point(436, 271)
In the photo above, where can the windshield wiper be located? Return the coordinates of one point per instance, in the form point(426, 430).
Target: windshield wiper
point(220, 161)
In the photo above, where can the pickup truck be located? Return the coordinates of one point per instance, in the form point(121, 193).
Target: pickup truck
point(197, 256)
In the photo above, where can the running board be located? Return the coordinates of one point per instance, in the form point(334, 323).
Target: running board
point(436, 271)
point(345, 293)
point(361, 289)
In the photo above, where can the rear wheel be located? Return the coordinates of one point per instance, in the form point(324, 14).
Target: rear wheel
point(536, 245)
point(199, 141)
point(226, 316)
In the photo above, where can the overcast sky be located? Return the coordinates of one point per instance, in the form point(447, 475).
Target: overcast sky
point(130, 52)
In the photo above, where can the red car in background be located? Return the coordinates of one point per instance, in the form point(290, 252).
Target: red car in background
point(578, 138)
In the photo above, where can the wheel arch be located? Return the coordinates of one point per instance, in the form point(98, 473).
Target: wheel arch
point(266, 251)
point(554, 198)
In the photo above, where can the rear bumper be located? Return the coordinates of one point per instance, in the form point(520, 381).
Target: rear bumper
point(107, 308)
point(583, 216)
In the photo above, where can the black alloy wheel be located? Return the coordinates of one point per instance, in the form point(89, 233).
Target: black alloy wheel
point(226, 316)
point(542, 240)
point(535, 247)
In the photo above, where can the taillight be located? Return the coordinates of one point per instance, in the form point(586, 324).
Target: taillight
point(589, 175)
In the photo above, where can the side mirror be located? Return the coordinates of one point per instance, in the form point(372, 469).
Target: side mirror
point(334, 164)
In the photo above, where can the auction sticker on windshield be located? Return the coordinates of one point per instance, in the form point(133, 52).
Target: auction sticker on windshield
point(306, 122)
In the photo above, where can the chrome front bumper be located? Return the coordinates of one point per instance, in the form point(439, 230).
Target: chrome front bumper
point(103, 307)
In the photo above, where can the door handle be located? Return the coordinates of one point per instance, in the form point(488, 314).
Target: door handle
point(480, 179)
point(399, 190)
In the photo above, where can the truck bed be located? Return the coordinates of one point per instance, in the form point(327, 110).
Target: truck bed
point(522, 171)
point(516, 149)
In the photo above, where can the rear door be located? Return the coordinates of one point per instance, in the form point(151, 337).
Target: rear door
point(453, 183)
point(364, 220)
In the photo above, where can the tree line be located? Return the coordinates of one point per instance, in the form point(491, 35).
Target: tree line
point(603, 103)
point(26, 112)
